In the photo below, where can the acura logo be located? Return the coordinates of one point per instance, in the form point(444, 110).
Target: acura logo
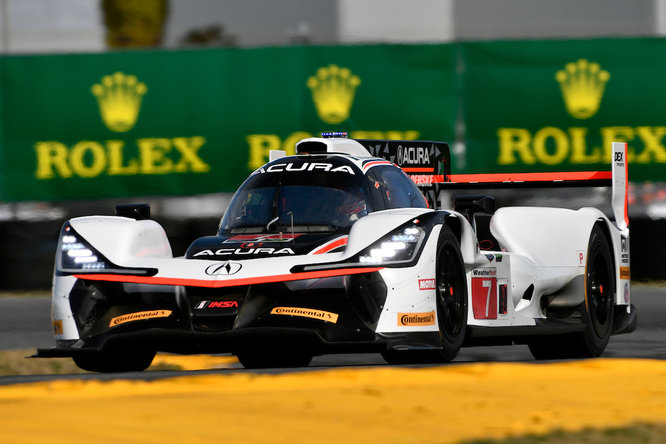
point(223, 269)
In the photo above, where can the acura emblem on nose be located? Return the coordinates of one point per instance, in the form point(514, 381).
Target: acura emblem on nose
point(224, 269)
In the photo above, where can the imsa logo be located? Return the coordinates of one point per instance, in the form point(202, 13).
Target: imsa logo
point(216, 304)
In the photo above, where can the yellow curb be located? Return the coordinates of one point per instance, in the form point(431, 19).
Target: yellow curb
point(196, 362)
point(444, 404)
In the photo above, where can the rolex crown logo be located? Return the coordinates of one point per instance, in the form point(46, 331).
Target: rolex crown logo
point(333, 90)
point(119, 98)
point(582, 84)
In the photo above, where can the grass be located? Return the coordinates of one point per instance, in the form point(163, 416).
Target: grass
point(633, 434)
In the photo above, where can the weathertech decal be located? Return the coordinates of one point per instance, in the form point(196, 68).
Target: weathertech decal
point(416, 319)
point(426, 284)
point(306, 313)
point(139, 316)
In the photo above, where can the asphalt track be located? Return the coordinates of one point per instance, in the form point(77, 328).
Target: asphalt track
point(25, 323)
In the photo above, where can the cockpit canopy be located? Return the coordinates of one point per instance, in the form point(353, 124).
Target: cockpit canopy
point(315, 194)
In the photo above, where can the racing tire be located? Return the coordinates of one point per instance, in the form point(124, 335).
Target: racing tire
point(115, 360)
point(273, 358)
point(451, 301)
point(451, 295)
point(596, 312)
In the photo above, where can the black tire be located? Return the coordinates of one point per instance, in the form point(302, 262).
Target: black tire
point(115, 360)
point(273, 358)
point(451, 300)
point(451, 295)
point(596, 312)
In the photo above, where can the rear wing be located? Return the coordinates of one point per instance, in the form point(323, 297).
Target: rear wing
point(427, 163)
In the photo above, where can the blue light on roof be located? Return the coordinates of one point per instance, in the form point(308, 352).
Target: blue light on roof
point(331, 134)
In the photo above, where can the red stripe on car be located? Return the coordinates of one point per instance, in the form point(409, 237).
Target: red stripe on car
point(212, 283)
point(331, 245)
point(530, 177)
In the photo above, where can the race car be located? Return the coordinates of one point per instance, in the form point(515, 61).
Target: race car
point(343, 247)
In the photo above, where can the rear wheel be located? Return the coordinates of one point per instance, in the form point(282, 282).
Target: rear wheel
point(597, 311)
point(451, 302)
point(115, 360)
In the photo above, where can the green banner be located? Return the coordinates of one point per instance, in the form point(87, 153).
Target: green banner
point(188, 122)
point(558, 105)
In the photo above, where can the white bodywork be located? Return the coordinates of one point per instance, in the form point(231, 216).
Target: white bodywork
point(542, 249)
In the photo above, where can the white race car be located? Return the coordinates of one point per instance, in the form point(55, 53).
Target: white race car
point(335, 249)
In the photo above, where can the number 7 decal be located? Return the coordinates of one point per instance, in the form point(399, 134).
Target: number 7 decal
point(484, 297)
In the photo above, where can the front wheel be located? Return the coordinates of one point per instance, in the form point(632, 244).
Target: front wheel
point(451, 303)
point(451, 295)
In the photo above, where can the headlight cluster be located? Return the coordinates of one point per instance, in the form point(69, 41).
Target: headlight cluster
point(76, 254)
point(396, 247)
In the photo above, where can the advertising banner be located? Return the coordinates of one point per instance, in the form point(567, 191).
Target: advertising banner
point(188, 122)
point(557, 105)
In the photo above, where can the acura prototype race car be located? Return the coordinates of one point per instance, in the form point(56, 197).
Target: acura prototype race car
point(342, 247)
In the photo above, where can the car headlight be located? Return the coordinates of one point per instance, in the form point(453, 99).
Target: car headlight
point(76, 254)
point(398, 246)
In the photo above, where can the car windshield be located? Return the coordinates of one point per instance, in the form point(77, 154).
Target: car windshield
point(311, 201)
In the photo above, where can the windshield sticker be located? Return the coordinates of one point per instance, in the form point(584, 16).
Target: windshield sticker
point(306, 166)
point(247, 238)
point(241, 251)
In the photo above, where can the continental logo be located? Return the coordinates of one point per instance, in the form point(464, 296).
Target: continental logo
point(582, 84)
point(333, 89)
point(57, 327)
point(139, 316)
point(416, 319)
point(306, 313)
point(119, 98)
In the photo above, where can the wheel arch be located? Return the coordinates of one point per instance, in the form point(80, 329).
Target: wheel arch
point(465, 235)
point(603, 224)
